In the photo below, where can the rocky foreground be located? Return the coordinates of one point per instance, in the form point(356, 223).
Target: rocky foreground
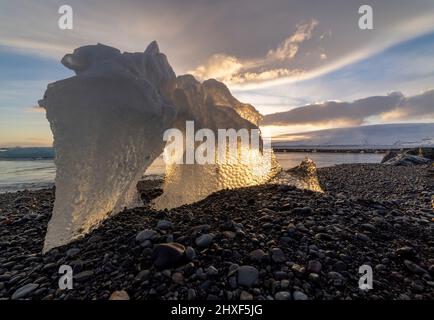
point(268, 242)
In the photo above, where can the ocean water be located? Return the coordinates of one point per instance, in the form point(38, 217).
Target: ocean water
point(26, 174)
point(20, 174)
point(326, 159)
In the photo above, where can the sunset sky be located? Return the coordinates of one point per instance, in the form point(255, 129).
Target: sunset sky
point(277, 55)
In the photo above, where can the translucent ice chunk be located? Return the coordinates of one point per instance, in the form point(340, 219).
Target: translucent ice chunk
point(303, 176)
point(107, 123)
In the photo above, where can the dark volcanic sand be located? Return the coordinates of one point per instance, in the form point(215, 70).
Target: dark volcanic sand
point(312, 244)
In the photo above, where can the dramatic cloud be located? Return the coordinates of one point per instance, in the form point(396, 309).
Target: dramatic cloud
point(274, 54)
point(234, 70)
point(390, 108)
point(289, 47)
point(263, 41)
point(220, 67)
point(260, 76)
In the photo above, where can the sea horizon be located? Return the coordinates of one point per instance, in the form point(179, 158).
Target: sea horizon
point(33, 172)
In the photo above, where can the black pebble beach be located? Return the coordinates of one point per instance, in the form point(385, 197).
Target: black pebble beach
point(267, 242)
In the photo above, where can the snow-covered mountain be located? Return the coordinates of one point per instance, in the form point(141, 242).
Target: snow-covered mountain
point(384, 135)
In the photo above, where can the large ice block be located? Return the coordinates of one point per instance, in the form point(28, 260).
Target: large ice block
point(107, 124)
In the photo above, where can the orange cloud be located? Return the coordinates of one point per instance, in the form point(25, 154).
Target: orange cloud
point(35, 109)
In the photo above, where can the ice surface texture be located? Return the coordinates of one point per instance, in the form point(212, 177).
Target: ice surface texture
point(108, 123)
point(211, 106)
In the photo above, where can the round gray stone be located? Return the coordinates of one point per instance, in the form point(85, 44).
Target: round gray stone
point(282, 295)
point(247, 276)
point(204, 240)
point(147, 234)
point(24, 291)
point(298, 295)
point(164, 224)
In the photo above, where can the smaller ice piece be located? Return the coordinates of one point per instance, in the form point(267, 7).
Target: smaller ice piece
point(210, 105)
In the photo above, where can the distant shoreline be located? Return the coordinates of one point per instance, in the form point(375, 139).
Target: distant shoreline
point(47, 153)
point(337, 149)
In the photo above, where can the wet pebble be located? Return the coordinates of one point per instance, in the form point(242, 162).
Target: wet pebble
point(168, 255)
point(204, 240)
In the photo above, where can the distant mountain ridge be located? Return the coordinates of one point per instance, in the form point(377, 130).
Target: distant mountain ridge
point(385, 135)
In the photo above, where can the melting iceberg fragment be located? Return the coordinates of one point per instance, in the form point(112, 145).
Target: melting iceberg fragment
point(107, 123)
